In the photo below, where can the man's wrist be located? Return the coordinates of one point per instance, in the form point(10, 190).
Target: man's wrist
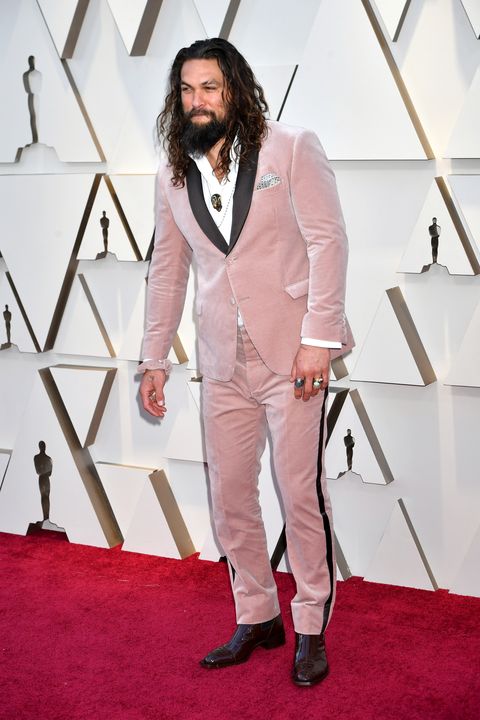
point(149, 364)
point(313, 342)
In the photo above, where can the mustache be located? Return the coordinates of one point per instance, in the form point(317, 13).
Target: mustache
point(199, 113)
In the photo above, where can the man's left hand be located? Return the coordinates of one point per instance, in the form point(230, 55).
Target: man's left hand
point(310, 362)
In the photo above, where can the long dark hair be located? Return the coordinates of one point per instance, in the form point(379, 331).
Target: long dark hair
point(245, 107)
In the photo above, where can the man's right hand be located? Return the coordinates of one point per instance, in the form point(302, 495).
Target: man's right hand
point(151, 392)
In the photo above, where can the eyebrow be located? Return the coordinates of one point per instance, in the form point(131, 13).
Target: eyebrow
point(212, 81)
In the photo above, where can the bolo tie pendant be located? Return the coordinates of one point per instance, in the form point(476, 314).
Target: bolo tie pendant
point(216, 202)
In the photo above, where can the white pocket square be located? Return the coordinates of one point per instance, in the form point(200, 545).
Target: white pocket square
point(268, 180)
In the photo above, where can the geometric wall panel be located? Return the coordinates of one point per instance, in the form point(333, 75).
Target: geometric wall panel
point(454, 250)
point(467, 580)
point(105, 230)
point(135, 194)
point(19, 333)
point(393, 14)
point(472, 8)
point(117, 290)
point(135, 20)
point(437, 81)
point(399, 558)
point(369, 462)
point(443, 307)
point(5, 456)
point(81, 331)
point(84, 391)
point(465, 368)
point(212, 14)
point(18, 372)
point(465, 140)
point(288, 30)
point(466, 191)
point(64, 21)
point(361, 512)
point(275, 80)
point(157, 526)
point(344, 64)
point(393, 351)
point(59, 120)
point(189, 484)
point(77, 500)
point(44, 231)
point(123, 485)
point(195, 388)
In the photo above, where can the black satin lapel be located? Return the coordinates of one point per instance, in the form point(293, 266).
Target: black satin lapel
point(200, 210)
point(242, 197)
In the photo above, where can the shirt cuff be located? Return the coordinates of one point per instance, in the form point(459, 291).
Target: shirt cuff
point(332, 344)
point(156, 365)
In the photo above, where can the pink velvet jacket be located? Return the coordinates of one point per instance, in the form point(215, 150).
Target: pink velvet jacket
point(284, 267)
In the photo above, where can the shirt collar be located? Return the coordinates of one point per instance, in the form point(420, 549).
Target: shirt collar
point(206, 170)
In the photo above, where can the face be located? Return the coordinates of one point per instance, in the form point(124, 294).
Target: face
point(203, 88)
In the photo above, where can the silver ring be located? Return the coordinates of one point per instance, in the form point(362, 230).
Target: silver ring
point(317, 382)
point(299, 382)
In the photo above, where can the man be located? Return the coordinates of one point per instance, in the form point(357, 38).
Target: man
point(255, 203)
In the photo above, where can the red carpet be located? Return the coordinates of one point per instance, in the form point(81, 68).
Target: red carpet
point(89, 634)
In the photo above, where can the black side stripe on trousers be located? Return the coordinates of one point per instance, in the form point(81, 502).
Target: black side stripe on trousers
point(225, 559)
point(326, 521)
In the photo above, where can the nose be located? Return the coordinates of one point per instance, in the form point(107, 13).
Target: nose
point(198, 98)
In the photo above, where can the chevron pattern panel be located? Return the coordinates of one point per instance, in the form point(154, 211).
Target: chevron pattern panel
point(393, 90)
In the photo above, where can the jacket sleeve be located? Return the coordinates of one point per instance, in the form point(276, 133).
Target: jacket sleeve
point(319, 216)
point(167, 283)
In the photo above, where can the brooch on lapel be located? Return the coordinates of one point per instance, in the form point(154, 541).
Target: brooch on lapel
point(268, 180)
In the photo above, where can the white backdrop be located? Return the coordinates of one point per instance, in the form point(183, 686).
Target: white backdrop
point(393, 91)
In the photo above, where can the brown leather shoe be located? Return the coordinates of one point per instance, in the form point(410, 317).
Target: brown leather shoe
point(310, 665)
point(269, 635)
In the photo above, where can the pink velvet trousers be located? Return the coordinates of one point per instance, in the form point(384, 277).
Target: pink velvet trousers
point(236, 416)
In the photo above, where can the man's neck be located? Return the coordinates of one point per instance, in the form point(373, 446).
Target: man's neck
point(212, 157)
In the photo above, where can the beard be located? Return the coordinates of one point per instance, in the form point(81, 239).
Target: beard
point(198, 139)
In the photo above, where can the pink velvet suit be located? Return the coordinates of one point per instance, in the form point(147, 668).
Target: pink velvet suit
point(284, 269)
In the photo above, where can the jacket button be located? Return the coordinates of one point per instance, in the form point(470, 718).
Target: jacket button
point(232, 301)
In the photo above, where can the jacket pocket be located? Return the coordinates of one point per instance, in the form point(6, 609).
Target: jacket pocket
point(297, 289)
